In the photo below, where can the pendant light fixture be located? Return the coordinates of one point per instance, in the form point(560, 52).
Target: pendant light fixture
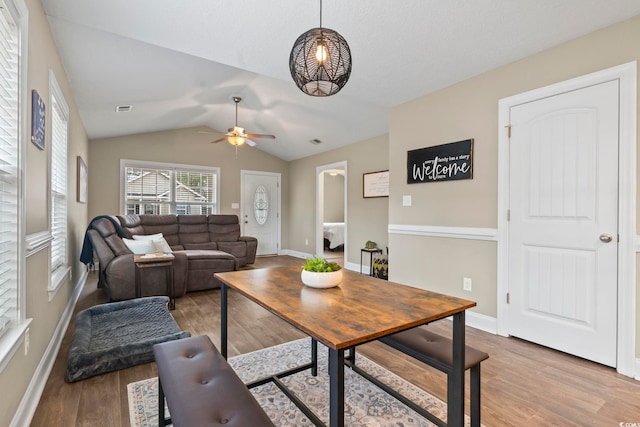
point(320, 61)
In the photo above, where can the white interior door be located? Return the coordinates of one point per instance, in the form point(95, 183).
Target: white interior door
point(261, 209)
point(563, 245)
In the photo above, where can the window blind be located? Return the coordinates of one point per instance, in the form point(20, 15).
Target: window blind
point(9, 140)
point(170, 189)
point(59, 142)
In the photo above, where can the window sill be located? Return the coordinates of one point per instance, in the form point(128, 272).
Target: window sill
point(11, 340)
point(57, 279)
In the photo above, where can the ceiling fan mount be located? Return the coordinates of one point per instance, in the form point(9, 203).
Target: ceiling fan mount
point(236, 135)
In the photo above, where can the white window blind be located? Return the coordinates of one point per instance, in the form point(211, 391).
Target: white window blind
point(155, 188)
point(59, 143)
point(9, 170)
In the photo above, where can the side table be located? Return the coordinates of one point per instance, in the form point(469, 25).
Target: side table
point(156, 261)
point(371, 252)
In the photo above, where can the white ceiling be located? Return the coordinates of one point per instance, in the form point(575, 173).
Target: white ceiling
point(178, 63)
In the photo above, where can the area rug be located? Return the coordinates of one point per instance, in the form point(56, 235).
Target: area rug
point(365, 404)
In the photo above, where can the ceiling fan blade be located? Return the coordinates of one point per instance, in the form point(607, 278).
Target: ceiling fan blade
point(250, 143)
point(219, 140)
point(258, 135)
point(211, 132)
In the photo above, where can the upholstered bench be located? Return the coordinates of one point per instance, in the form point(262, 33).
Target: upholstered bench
point(201, 388)
point(437, 351)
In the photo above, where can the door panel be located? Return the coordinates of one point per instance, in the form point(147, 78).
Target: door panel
point(260, 214)
point(563, 197)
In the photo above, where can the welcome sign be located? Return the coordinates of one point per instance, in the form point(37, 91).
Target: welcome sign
point(447, 162)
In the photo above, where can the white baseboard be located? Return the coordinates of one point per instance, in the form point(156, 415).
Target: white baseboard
point(29, 402)
point(482, 322)
point(637, 370)
point(296, 254)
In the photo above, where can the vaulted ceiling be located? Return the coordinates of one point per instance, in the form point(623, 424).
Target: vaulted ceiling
point(178, 63)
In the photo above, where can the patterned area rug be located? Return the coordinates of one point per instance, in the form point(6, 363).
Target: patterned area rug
point(365, 404)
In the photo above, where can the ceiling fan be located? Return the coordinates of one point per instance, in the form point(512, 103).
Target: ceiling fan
point(236, 135)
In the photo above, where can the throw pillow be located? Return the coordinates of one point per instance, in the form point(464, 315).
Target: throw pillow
point(140, 246)
point(148, 236)
point(161, 245)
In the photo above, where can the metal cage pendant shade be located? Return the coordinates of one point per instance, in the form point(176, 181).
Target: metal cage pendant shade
point(320, 61)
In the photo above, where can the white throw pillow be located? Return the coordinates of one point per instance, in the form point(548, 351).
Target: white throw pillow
point(161, 245)
point(140, 246)
point(148, 236)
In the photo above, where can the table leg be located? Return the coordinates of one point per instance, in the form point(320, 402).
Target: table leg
point(455, 379)
point(223, 320)
point(336, 388)
point(314, 357)
point(171, 288)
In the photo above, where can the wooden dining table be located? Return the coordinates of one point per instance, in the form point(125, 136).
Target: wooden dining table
point(359, 310)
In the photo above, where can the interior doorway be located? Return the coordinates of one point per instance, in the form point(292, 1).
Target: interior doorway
point(331, 212)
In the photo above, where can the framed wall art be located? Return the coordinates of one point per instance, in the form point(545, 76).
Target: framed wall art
point(81, 193)
point(37, 120)
point(375, 184)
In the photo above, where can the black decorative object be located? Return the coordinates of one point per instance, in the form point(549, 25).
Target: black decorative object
point(37, 120)
point(320, 61)
point(447, 162)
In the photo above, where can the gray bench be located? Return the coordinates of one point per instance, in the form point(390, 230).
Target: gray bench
point(437, 351)
point(201, 388)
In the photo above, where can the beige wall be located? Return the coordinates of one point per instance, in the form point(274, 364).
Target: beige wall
point(333, 198)
point(181, 146)
point(367, 219)
point(470, 110)
point(46, 314)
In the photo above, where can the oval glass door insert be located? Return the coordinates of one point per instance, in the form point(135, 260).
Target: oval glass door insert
point(261, 204)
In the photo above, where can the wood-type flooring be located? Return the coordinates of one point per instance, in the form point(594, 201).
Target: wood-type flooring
point(523, 384)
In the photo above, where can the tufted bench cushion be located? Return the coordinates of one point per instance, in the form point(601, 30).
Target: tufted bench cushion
point(437, 351)
point(201, 388)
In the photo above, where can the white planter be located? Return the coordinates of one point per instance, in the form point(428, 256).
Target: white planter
point(321, 280)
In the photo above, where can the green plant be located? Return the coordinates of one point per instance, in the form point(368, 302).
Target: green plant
point(320, 265)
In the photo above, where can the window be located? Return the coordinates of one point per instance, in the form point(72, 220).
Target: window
point(59, 173)
point(159, 188)
point(13, 111)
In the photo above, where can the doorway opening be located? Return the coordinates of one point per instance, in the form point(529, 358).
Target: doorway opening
point(331, 212)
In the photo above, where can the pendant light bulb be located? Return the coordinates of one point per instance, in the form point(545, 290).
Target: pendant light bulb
point(321, 52)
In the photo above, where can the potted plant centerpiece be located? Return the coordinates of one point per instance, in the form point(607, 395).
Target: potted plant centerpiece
point(317, 272)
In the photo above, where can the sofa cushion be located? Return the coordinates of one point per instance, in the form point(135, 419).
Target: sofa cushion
point(210, 246)
point(237, 249)
point(193, 229)
point(165, 224)
point(158, 240)
point(223, 228)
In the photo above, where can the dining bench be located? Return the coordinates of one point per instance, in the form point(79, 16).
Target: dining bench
point(437, 351)
point(201, 388)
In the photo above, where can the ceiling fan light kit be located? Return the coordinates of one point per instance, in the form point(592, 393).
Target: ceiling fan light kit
point(320, 61)
point(236, 135)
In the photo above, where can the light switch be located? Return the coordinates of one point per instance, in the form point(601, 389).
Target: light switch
point(406, 200)
point(235, 205)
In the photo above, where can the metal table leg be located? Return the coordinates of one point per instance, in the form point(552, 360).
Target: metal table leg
point(336, 388)
point(455, 379)
point(223, 320)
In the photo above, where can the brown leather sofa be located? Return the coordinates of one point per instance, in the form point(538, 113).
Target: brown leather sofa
point(202, 245)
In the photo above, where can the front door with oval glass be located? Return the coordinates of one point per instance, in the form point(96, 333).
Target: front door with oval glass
point(260, 204)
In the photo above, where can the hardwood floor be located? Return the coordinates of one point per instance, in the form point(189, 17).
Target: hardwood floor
point(522, 384)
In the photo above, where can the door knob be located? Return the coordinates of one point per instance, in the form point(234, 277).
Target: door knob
point(606, 238)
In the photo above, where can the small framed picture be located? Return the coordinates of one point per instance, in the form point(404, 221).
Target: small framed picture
point(37, 120)
point(81, 193)
point(375, 184)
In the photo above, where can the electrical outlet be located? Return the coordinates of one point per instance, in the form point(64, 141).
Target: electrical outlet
point(306, 242)
point(26, 342)
point(466, 284)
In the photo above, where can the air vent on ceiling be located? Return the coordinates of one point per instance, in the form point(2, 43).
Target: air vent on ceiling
point(315, 141)
point(123, 108)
